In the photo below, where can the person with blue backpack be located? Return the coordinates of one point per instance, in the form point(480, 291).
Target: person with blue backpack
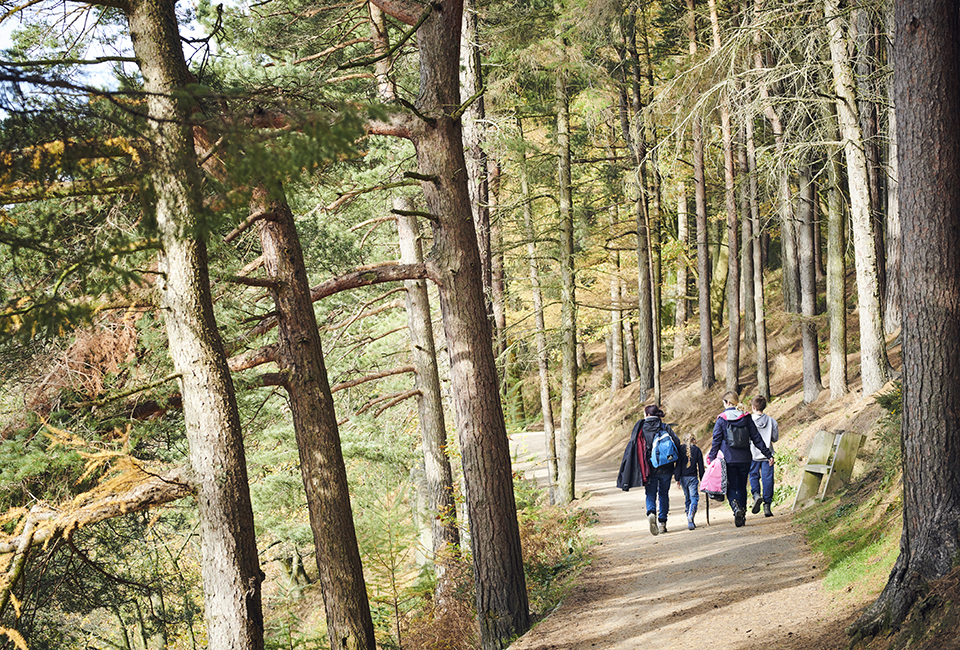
point(733, 432)
point(664, 452)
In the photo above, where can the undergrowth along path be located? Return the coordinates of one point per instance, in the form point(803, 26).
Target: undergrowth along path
point(717, 587)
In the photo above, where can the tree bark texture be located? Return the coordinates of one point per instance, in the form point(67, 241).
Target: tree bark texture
point(230, 567)
point(927, 94)
point(873, 353)
point(746, 250)
point(567, 436)
point(444, 533)
point(836, 278)
point(891, 299)
point(300, 359)
point(471, 81)
point(707, 372)
point(454, 263)
point(680, 311)
point(808, 289)
point(540, 329)
point(733, 234)
point(756, 249)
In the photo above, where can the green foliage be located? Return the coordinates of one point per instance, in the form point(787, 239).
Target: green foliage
point(889, 455)
point(554, 544)
point(858, 534)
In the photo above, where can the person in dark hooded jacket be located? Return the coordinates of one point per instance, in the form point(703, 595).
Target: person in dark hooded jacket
point(658, 483)
point(738, 458)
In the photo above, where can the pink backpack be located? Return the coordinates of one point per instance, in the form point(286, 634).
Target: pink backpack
point(714, 481)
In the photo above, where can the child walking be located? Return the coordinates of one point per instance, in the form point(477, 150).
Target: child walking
point(688, 477)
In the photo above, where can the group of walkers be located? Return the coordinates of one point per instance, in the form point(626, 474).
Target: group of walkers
point(741, 450)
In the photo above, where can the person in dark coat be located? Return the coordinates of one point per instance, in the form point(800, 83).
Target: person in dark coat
point(658, 484)
point(738, 459)
point(634, 468)
point(688, 475)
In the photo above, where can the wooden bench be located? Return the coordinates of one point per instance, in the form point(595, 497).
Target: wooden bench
point(831, 456)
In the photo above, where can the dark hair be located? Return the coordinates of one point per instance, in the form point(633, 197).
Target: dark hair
point(759, 403)
point(653, 409)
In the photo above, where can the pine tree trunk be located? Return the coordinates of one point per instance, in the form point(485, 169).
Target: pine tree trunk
point(733, 234)
point(873, 353)
point(438, 474)
point(707, 373)
point(645, 327)
point(471, 80)
point(746, 252)
point(444, 533)
point(300, 359)
point(567, 438)
point(229, 566)
point(892, 318)
point(454, 264)
point(680, 311)
point(837, 278)
point(808, 289)
point(543, 354)
point(927, 94)
point(756, 249)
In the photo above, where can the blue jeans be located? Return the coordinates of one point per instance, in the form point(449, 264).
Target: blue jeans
point(737, 483)
point(657, 489)
point(761, 474)
point(691, 494)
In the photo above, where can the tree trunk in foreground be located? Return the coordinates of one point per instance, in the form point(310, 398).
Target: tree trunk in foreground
point(300, 359)
point(927, 92)
point(454, 264)
point(230, 565)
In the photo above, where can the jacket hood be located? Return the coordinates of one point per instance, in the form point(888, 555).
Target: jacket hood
point(762, 420)
point(731, 415)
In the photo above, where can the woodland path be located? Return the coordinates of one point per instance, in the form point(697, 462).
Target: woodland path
point(717, 587)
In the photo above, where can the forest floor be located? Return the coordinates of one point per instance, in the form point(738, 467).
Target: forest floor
point(717, 587)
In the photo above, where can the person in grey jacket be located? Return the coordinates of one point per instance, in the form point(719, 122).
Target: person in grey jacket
point(761, 471)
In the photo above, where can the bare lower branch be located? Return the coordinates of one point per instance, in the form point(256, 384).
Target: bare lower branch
point(373, 377)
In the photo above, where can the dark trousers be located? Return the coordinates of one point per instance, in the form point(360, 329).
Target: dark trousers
point(737, 474)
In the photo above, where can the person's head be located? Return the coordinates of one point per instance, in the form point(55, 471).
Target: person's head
point(692, 441)
point(759, 403)
point(653, 410)
point(730, 399)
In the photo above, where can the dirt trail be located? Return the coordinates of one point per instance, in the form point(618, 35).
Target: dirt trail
point(717, 587)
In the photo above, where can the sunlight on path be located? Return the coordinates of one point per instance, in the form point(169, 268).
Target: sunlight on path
point(716, 587)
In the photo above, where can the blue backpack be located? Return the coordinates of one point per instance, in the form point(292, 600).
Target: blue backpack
point(664, 450)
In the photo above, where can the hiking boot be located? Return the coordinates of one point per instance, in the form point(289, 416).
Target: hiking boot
point(662, 527)
point(756, 505)
point(739, 516)
point(654, 528)
point(766, 510)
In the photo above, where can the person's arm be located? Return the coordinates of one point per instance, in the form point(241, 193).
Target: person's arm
point(757, 439)
point(700, 466)
point(717, 439)
point(774, 431)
